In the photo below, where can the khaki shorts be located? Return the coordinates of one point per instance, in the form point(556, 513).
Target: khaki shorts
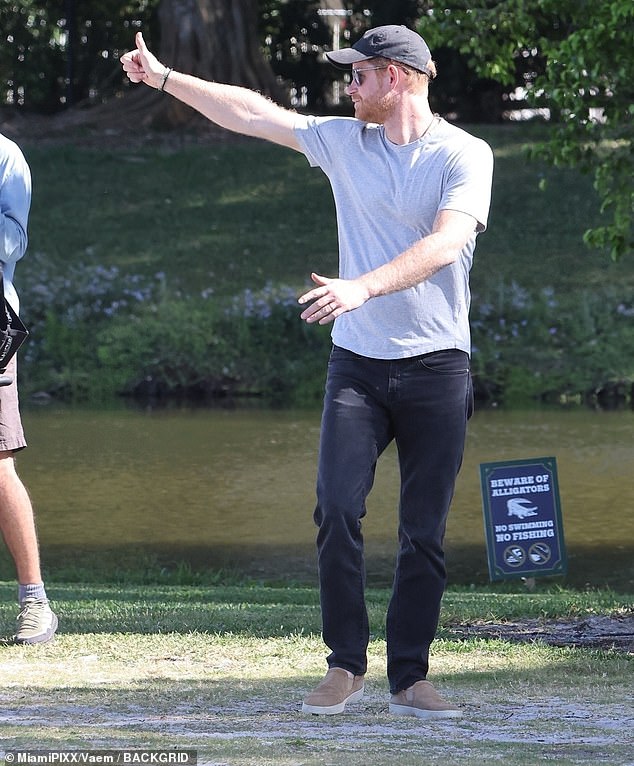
point(11, 433)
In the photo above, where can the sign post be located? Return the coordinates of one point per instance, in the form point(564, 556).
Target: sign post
point(522, 518)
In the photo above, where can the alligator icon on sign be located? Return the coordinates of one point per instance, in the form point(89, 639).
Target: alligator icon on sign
point(520, 507)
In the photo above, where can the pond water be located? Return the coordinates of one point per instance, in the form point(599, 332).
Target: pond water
point(234, 488)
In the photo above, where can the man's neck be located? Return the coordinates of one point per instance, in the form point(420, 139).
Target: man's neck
point(410, 122)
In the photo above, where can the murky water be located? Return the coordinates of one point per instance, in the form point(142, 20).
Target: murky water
point(235, 488)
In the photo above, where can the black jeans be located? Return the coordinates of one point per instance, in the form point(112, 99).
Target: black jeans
point(423, 403)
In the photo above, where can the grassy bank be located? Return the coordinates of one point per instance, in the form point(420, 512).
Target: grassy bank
point(222, 669)
point(166, 265)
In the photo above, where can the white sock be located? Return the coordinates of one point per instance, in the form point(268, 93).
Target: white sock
point(31, 590)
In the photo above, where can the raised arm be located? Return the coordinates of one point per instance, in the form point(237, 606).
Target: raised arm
point(237, 109)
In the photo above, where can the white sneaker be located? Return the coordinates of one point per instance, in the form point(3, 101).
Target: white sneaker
point(37, 622)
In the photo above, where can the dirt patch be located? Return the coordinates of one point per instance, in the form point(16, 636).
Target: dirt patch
point(489, 723)
point(89, 130)
point(596, 632)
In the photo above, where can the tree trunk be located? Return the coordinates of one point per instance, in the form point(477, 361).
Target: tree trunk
point(211, 39)
point(214, 40)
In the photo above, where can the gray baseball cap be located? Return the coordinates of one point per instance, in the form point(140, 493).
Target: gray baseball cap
point(394, 42)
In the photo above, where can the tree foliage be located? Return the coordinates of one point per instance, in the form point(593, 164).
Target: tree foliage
point(58, 54)
point(63, 54)
point(572, 57)
point(294, 36)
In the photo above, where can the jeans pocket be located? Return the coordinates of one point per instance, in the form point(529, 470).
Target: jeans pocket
point(450, 361)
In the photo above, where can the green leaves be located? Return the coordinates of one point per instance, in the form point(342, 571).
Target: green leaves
point(573, 58)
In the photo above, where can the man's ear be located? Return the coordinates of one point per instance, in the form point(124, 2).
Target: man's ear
point(395, 74)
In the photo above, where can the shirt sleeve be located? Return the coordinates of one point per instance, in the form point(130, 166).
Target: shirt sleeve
point(15, 202)
point(467, 186)
point(322, 139)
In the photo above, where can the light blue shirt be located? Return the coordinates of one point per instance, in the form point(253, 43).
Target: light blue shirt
point(15, 203)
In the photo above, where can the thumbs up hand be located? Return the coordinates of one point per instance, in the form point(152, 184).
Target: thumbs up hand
point(141, 65)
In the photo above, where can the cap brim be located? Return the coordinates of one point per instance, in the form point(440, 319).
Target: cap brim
point(346, 57)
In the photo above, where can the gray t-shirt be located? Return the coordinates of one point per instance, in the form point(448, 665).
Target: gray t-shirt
point(387, 197)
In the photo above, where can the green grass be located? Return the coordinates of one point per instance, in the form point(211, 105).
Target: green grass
point(237, 215)
point(222, 669)
point(263, 611)
point(224, 217)
point(149, 261)
point(535, 236)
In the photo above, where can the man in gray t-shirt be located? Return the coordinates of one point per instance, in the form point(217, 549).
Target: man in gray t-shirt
point(411, 193)
point(394, 194)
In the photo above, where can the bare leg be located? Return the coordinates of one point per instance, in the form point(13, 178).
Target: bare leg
point(17, 522)
point(36, 622)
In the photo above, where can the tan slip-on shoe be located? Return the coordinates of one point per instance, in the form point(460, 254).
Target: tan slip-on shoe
point(423, 701)
point(332, 694)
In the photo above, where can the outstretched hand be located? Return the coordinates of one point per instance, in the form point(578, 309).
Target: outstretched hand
point(332, 298)
point(141, 65)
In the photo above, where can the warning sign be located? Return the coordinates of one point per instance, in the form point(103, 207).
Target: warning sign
point(522, 518)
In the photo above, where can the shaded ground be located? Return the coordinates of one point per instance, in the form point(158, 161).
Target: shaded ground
point(596, 632)
point(90, 131)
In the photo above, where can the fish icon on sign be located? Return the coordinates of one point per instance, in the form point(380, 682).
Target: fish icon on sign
point(539, 553)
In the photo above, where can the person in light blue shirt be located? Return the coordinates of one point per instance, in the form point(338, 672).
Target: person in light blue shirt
point(36, 621)
point(411, 194)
